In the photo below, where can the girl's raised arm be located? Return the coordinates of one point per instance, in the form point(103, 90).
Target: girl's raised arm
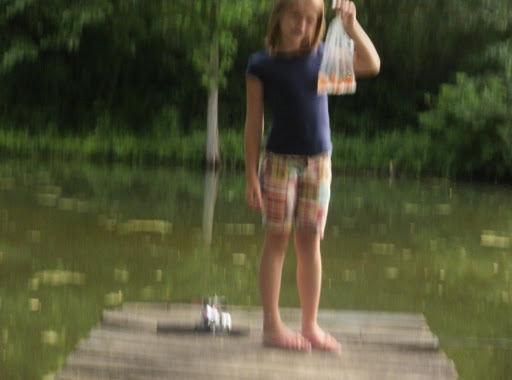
point(366, 58)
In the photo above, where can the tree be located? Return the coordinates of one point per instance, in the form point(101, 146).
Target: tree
point(422, 44)
point(207, 28)
point(470, 120)
point(37, 42)
point(30, 27)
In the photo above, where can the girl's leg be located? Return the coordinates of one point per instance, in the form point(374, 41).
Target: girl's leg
point(310, 218)
point(309, 275)
point(275, 333)
point(309, 281)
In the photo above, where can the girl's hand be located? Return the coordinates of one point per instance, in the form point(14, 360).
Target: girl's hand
point(347, 10)
point(253, 195)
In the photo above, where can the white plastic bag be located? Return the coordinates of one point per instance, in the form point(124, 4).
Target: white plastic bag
point(336, 74)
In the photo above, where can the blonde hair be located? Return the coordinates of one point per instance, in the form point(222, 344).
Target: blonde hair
point(273, 36)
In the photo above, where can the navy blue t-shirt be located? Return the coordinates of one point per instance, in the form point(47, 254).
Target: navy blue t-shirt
point(300, 116)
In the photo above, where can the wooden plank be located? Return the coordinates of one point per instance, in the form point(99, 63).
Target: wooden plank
point(127, 345)
point(274, 362)
point(131, 320)
point(376, 328)
point(287, 367)
point(217, 348)
point(251, 317)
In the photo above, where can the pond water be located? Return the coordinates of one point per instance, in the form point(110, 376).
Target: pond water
point(78, 238)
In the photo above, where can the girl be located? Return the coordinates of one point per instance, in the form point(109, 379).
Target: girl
point(293, 186)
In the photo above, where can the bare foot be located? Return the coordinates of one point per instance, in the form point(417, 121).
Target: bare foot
point(287, 339)
point(321, 340)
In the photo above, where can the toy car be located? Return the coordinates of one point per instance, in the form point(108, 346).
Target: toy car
point(213, 318)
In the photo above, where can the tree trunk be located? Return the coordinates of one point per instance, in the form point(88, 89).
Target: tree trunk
point(212, 132)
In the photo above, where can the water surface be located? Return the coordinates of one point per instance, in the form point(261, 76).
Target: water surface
point(78, 238)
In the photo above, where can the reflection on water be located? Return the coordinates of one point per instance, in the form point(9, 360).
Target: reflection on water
point(211, 179)
point(75, 239)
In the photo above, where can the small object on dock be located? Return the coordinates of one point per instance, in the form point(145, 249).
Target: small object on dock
point(213, 318)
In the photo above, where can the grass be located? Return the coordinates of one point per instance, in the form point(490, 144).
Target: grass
point(409, 152)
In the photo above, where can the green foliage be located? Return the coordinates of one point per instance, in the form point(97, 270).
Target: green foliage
point(31, 27)
point(405, 153)
point(409, 152)
point(211, 25)
point(423, 44)
point(19, 51)
point(471, 126)
point(167, 123)
point(141, 69)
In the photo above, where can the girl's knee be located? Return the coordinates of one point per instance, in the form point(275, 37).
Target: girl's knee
point(278, 240)
point(307, 240)
point(307, 235)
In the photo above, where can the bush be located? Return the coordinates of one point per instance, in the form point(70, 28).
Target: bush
point(471, 128)
point(408, 151)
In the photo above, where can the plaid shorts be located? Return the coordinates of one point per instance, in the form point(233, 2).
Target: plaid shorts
point(295, 191)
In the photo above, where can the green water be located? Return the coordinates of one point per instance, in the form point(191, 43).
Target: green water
point(77, 238)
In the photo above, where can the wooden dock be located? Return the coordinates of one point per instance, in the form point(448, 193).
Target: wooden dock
point(157, 341)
